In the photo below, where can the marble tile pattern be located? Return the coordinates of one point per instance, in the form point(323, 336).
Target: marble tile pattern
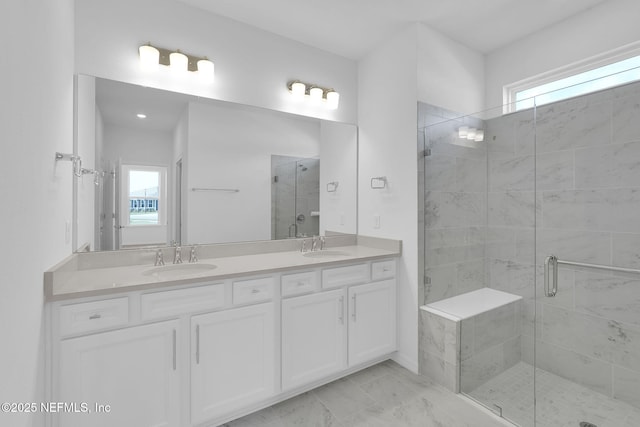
point(559, 402)
point(453, 186)
point(564, 179)
point(439, 349)
point(380, 396)
point(489, 344)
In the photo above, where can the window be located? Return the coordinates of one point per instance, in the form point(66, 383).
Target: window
point(573, 83)
point(145, 192)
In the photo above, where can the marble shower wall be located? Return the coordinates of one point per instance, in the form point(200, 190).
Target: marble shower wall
point(296, 190)
point(585, 206)
point(453, 192)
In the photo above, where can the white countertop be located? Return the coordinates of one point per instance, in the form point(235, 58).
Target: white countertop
point(100, 281)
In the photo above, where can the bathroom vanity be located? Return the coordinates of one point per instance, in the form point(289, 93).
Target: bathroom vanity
point(204, 343)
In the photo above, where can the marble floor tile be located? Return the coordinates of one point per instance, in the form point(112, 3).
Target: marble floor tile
point(397, 397)
point(343, 397)
point(558, 402)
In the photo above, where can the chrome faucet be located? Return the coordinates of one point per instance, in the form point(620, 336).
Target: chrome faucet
point(314, 244)
point(303, 248)
point(322, 243)
point(192, 255)
point(177, 259)
point(159, 258)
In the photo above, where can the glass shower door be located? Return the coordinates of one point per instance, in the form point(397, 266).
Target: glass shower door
point(588, 190)
point(479, 201)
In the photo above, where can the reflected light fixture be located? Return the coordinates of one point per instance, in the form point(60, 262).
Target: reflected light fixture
point(317, 95)
point(472, 134)
point(151, 57)
point(141, 116)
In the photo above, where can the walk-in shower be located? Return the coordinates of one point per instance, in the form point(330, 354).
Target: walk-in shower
point(547, 192)
point(295, 197)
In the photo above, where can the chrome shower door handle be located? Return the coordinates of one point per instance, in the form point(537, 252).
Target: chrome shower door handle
point(551, 262)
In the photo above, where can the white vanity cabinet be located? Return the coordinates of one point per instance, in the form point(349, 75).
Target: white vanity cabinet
point(330, 331)
point(372, 321)
point(313, 337)
point(232, 360)
point(201, 354)
point(136, 371)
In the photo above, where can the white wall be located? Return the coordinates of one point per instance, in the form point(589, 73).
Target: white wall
point(387, 119)
point(606, 27)
point(36, 118)
point(230, 146)
point(252, 66)
point(338, 163)
point(84, 233)
point(450, 75)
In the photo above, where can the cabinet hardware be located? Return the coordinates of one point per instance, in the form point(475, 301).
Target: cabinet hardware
point(174, 350)
point(95, 316)
point(354, 307)
point(197, 344)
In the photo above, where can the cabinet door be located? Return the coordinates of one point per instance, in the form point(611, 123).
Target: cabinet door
point(372, 321)
point(135, 371)
point(313, 337)
point(232, 360)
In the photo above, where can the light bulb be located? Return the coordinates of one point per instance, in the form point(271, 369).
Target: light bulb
point(149, 58)
point(298, 90)
point(206, 71)
point(471, 133)
point(333, 98)
point(479, 135)
point(178, 62)
point(316, 94)
point(462, 131)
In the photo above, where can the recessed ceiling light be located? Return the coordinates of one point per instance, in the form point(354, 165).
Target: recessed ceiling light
point(141, 116)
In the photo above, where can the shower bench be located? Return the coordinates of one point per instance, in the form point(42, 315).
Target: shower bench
point(467, 339)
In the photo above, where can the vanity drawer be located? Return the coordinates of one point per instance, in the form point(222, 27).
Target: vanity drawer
point(93, 316)
point(383, 269)
point(253, 290)
point(162, 304)
point(298, 283)
point(341, 276)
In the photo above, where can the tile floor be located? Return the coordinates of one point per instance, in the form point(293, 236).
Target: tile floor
point(560, 403)
point(384, 395)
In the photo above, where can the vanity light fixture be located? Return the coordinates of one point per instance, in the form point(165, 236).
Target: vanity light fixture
point(472, 134)
point(298, 90)
point(180, 62)
point(316, 94)
point(141, 116)
point(149, 58)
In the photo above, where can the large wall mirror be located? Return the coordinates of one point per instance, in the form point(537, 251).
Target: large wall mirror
point(162, 167)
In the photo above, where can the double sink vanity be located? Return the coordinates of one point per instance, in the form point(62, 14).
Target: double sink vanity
point(200, 344)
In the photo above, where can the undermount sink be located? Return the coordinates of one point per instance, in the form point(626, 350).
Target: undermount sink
point(176, 271)
point(325, 254)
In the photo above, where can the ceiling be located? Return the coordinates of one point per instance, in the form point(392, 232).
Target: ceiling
point(119, 103)
point(352, 28)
